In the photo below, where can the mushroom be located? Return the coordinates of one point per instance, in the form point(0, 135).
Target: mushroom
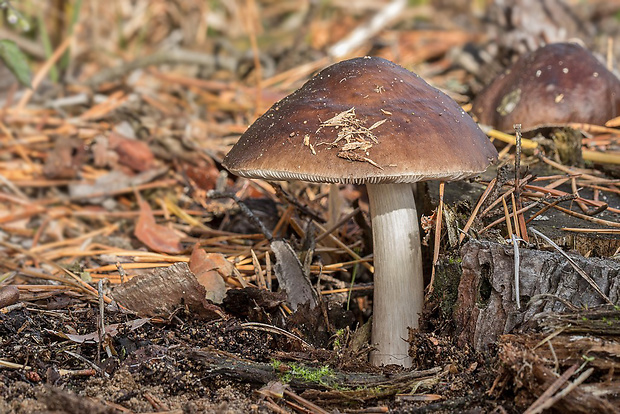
point(552, 86)
point(369, 121)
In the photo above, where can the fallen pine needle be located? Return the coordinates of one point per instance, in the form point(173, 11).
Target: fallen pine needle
point(599, 231)
point(437, 235)
point(475, 212)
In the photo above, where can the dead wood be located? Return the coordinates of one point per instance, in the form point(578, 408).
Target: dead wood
point(329, 385)
point(486, 304)
point(534, 365)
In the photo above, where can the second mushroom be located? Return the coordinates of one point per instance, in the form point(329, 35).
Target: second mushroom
point(369, 121)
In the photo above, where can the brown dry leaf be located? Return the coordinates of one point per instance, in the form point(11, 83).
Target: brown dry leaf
point(210, 270)
point(132, 153)
point(65, 159)
point(155, 236)
point(205, 176)
point(162, 291)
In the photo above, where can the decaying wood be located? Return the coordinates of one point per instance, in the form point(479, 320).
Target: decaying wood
point(336, 386)
point(486, 305)
point(535, 361)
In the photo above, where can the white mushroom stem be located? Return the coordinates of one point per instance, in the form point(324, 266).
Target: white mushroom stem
point(398, 281)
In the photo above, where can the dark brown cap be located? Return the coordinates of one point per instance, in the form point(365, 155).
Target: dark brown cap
point(552, 86)
point(364, 120)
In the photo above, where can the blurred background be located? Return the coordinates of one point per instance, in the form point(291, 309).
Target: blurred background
point(458, 45)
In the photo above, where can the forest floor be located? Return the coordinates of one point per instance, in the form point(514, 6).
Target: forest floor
point(135, 278)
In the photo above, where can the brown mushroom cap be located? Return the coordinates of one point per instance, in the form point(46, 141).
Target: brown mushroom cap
point(424, 134)
point(552, 86)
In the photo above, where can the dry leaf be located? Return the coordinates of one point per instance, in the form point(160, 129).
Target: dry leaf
point(164, 290)
point(205, 176)
point(155, 236)
point(132, 153)
point(210, 270)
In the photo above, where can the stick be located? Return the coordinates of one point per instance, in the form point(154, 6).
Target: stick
point(362, 33)
point(36, 81)
point(515, 244)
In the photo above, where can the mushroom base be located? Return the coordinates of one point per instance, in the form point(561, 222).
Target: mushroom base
point(398, 281)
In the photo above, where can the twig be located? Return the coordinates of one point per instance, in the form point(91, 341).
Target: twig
point(587, 218)
point(274, 329)
point(557, 397)
point(38, 78)
point(517, 128)
point(345, 247)
point(566, 169)
point(14, 189)
point(548, 206)
point(502, 136)
point(244, 209)
point(516, 215)
point(294, 201)
point(336, 225)
point(315, 409)
point(258, 271)
point(101, 325)
point(553, 388)
point(553, 191)
point(62, 372)
point(77, 281)
point(582, 204)
point(520, 227)
point(599, 231)
point(499, 220)
point(86, 361)
point(362, 33)
point(515, 245)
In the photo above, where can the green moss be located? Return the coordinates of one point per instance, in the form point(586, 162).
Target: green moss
point(322, 375)
point(275, 364)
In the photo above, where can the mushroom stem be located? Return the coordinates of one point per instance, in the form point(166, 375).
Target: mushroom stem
point(398, 281)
